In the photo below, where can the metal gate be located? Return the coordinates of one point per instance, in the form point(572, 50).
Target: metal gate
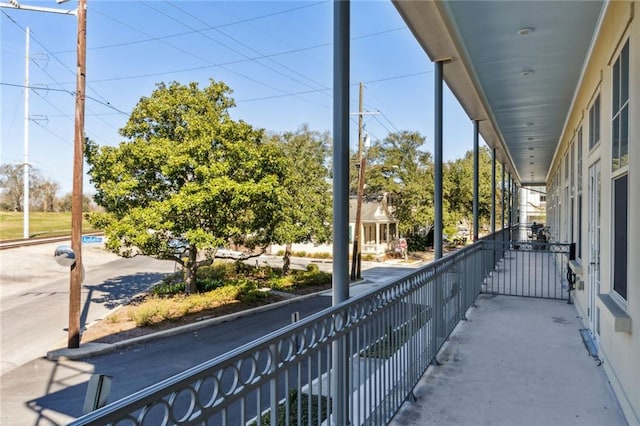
point(528, 269)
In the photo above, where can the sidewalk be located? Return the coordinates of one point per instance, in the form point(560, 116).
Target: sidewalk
point(516, 361)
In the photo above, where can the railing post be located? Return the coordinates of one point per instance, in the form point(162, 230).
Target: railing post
point(273, 386)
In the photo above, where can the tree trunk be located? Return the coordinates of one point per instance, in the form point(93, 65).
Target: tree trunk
point(190, 267)
point(286, 259)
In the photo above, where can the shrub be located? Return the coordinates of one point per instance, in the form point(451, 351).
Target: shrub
point(418, 242)
point(316, 278)
point(150, 312)
point(312, 267)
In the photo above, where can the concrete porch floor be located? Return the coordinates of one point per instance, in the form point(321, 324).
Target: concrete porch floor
point(516, 361)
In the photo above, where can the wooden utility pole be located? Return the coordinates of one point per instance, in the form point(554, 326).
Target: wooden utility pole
point(75, 281)
point(356, 257)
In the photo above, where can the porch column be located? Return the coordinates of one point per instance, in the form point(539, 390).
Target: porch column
point(341, 64)
point(493, 191)
point(476, 166)
point(377, 237)
point(437, 160)
point(340, 282)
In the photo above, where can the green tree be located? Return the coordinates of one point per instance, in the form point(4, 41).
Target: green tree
point(306, 213)
point(458, 189)
point(188, 179)
point(398, 166)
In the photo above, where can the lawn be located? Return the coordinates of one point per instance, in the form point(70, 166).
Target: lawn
point(40, 224)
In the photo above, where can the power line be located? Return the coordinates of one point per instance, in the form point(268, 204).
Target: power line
point(70, 92)
point(389, 121)
point(254, 50)
point(375, 117)
point(262, 83)
point(227, 46)
point(207, 28)
point(34, 38)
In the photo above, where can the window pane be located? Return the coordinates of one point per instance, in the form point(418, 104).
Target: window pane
point(592, 127)
point(580, 160)
point(615, 155)
point(579, 240)
point(624, 136)
point(596, 120)
point(616, 88)
point(620, 236)
point(624, 74)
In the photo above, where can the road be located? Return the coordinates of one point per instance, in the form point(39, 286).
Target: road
point(34, 296)
point(52, 392)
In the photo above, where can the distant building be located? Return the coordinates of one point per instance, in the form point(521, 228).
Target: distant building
point(378, 227)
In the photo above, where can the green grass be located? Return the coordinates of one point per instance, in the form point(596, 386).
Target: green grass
point(40, 224)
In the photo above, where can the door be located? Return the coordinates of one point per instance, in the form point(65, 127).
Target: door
point(594, 248)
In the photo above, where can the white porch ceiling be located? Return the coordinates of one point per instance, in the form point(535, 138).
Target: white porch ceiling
point(515, 65)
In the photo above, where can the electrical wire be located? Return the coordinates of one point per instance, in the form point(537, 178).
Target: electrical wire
point(207, 28)
point(317, 83)
point(233, 50)
point(34, 38)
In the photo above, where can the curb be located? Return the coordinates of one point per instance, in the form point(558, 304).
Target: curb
point(93, 349)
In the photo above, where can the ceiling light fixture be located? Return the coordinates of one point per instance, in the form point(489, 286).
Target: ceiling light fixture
point(526, 72)
point(525, 30)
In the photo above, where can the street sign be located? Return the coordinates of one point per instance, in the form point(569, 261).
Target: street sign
point(91, 239)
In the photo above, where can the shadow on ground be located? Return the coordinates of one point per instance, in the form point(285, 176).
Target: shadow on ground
point(116, 291)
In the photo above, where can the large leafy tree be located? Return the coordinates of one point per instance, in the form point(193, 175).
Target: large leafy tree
point(458, 188)
point(306, 213)
point(187, 179)
point(398, 166)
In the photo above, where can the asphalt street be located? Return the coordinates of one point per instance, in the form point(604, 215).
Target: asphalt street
point(45, 392)
point(34, 296)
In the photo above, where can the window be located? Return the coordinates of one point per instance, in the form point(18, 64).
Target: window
point(572, 169)
point(594, 123)
point(543, 198)
point(620, 187)
point(620, 109)
point(579, 177)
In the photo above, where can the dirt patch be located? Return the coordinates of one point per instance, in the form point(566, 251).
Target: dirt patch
point(118, 326)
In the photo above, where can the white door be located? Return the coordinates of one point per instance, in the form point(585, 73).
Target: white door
point(594, 247)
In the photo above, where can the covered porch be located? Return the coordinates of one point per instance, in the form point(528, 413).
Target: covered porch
point(447, 343)
point(515, 361)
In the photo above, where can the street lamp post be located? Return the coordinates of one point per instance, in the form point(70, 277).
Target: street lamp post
point(75, 280)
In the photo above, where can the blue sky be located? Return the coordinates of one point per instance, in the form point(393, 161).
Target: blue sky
point(275, 56)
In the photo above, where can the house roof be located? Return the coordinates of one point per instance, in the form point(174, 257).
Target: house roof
point(372, 211)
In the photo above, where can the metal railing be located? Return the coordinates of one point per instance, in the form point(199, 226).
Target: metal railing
point(388, 338)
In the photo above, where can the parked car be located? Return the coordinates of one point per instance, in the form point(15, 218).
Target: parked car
point(231, 254)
